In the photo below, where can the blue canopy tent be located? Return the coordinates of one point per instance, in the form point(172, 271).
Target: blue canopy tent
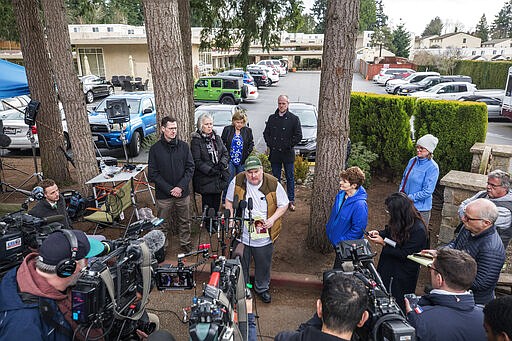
point(13, 80)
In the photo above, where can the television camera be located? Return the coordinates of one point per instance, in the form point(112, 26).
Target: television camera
point(20, 233)
point(386, 321)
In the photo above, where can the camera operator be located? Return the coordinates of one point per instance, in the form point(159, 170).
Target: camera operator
point(341, 308)
point(35, 298)
point(52, 204)
point(448, 312)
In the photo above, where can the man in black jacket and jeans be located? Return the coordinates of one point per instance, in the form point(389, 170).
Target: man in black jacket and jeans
point(283, 132)
point(171, 168)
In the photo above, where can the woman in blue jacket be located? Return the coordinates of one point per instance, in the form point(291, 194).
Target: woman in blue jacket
point(349, 214)
point(420, 176)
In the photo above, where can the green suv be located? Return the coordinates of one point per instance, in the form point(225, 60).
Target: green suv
point(221, 89)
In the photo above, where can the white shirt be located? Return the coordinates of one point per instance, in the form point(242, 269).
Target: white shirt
point(259, 211)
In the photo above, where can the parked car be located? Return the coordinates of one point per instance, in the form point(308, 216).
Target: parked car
point(95, 87)
point(260, 76)
point(308, 117)
point(430, 81)
point(219, 89)
point(221, 114)
point(392, 85)
point(246, 76)
point(493, 105)
point(450, 91)
point(16, 129)
point(275, 63)
point(10, 104)
point(272, 72)
point(142, 122)
point(386, 74)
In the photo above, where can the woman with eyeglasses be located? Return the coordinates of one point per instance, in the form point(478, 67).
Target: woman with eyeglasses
point(420, 176)
point(404, 235)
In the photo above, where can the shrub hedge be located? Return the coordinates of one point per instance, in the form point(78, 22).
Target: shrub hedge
point(486, 75)
point(381, 123)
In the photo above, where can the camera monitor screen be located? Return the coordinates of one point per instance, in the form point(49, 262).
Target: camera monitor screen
point(358, 249)
point(117, 111)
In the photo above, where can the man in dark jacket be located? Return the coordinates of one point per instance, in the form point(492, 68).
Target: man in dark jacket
point(171, 168)
point(53, 203)
point(448, 312)
point(341, 308)
point(283, 132)
point(498, 319)
point(35, 299)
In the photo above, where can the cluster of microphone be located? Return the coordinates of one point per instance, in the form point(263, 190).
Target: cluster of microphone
point(219, 221)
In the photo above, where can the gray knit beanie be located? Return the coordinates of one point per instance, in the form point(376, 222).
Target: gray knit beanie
point(429, 142)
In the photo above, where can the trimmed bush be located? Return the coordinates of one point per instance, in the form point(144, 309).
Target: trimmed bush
point(362, 157)
point(457, 125)
point(486, 75)
point(381, 123)
point(300, 168)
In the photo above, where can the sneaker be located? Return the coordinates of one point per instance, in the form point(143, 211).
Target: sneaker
point(265, 297)
point(291, 206)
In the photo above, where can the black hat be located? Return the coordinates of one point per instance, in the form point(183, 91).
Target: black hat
point(56, 247)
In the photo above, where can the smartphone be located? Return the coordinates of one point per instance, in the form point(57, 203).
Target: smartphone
point(413, 300)
point(366, 233)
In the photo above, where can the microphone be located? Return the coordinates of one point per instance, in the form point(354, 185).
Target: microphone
point(155, 240)
point(235, 202)
point(249, 204)
point(53, 219)
point(249, 208)
point(37, 193)
point(211, 217)
point(203, 215)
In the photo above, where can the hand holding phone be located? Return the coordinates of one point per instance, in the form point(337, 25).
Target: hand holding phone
point(413, 300)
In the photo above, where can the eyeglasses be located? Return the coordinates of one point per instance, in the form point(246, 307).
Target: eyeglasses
point(431, 267)
point(468, 218)
point(493, 185)
point(420, 148)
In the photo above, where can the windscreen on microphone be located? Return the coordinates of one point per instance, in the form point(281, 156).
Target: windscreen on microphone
point(211, 213)
point(235, 202)
point(249, 204)
point(242, 205)
point(38, 193)
point(53, 219)
point(155, 240)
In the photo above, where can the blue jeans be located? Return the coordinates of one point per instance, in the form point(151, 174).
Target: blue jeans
point(288, 172)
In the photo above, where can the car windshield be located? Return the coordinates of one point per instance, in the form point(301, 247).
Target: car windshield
point(14, 116)
point(435, 88)
point(133, 105)
point(220, 117)
point(307, 117)
point(425, 81)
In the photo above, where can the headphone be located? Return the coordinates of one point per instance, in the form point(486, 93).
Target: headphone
point(67, 267)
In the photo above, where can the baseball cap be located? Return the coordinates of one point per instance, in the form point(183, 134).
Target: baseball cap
point(56, 247)
point(252, 162)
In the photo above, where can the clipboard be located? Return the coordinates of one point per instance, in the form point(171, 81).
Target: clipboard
point(421, 259)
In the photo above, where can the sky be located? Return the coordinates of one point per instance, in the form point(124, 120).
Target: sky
point(416, 14)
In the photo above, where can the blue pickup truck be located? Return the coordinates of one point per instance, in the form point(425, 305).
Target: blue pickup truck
point(142, 122)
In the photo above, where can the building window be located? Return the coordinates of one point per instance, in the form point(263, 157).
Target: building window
point(464, 40)
point(95, 29)
point(91, 61)
point(131, 32)
point(494, 51)
point(110, 29)
point(76, 29)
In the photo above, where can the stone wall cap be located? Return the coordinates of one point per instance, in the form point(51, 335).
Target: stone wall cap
point(497, 149)
point(469, 181)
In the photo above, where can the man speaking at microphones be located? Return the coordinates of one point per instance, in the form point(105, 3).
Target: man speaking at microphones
point(52, 204)
point(263, 201)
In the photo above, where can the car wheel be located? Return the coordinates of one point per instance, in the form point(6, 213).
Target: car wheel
point(395, 92)
point(89, 96)
point(67, 143)
point(111, 90)
point(135, 144)
point(227, 100)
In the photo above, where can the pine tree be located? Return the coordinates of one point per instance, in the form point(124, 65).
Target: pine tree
point(401, 41)
point(482, 29)
point(434, 27)
point(502, 25)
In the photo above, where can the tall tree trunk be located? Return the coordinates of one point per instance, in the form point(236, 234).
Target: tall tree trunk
point(70, 92)
point(42, 88)
point(186, 39)
point(333, 114)
point(167, 62)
